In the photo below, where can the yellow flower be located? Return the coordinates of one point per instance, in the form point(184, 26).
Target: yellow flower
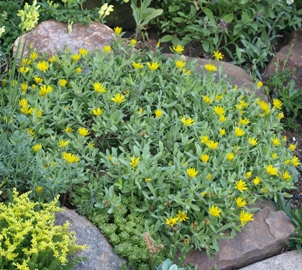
point(38, 80)
point(221, 132)
point(62, 82)
point(107, 49)
point(148, 179)
point(244, 121)
point(212, 144)
point(91, 144)
point(264, 106)
point(44, 90)
point(178, 48)
point(117, 30)
point(68, 129)
point(209, 176)
point(248, 174)
point(241, 185)
point(70, 158)
point(24, 70)
point(204, 158)
point(83, 51)
point(37, 147)
point(83, 131)
point(180, 64)
point(240, 202)
point(287, 161)
point(286, 175)
point(158, 113)
point(204, 193)
point(24, 87)
point(140, 110)
point(276, 141)
point(252, 141)
point(118, 98)
point(295, 161)
point(39, 189)
point(277, 103)
point(133, 42)
point(230, 156)
point(222, 118)
point(206, 99)
point(171, 221)
point(152, 66)
point(218, 55)
point(257, 180)
point(204, 139)
point(181, 216)
point(186, 72)
point(98, 87)
point(31, 132)
point(134, 162)
point(292, 147)
point(137, 65)
point(191, 172)
point(33, 56)
point(214, 211)
point(219, 110)
point(274, 155)
point(271, 170)
point(78, 70)
point(239, 132)
point(186, 121)
point(259, 84)
point(23, 102)
point(97, 111)
point(63, 143)
point(210, 67)
point(43, 66)
point(245, 217)
point(76, 57)
point(280, 115)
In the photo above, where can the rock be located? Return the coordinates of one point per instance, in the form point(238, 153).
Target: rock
point(294, 59)
point(52, 36)
point(99, 252)
point(262, 238)
point(121, 15)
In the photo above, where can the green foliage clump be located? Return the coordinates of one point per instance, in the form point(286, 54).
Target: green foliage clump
point(29, 239)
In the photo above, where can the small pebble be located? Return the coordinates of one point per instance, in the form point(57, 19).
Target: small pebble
point(297, 196)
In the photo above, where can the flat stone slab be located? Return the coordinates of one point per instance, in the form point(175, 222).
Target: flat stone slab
point(291, 260)
point(262, 238)
point(99, 252)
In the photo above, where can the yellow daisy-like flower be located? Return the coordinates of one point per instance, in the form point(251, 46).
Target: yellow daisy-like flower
point(117, 30)
point(44, 90)
point(276, 141)
point(241, 185)
point(97, 111)
point(252, 141)
point(23, 102)
point(212, 144)
point(210, 67)
point(191, 172)
point(277, 104)
point(137, 65)
point(230, 156)
point(295, 161)
point(118, 98)
point(280, 115)
point(33, 56)
point(186, 72)
point(264, 106)
point(209, 176)
point(204, 193)
point(245, 217)
point(221, 132)
point(38, 80)
point(134, 162)
point(37, 147)
point(107, 49)
point(62, 82)
point(286, 176)
point(76, 57)
point(63, 143)
point(70, 158)
point(292, 147)
point(204, 158)
point(148, 179)
point(52, 59)
point(68, 129)
point(98, 87)
point(257, 180)
point(182, 216)
point(152, 66)
point(274, 155)
point(178, 48)
point(214, 211)
point(239, 132)
point(78, 70)
point(206, 99)
point(219, 110)
point(204, 139)
point(218, 55)
point(83, 51)
point(240, 202)
point(222, 118)
point(180, 64)
point(171, 221)
point(83, 131)
point(39, 190)
point(24, 87)
point(244, 121)
point(271, 170)
point(158, 113)
point(133, 42)
point(43, 66)
point(259, 84)
point(140, 110)
point(187, 122)
point(248, 174)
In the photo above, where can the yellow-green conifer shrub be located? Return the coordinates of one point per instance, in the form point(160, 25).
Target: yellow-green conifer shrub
point(30, 240)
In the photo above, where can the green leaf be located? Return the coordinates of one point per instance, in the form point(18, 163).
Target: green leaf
point(228, 17)
point(209, 13)
point(166, 38)
point(245, 18)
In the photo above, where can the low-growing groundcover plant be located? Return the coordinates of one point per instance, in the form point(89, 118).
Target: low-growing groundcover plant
point(158, 148)
point(29, 239)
